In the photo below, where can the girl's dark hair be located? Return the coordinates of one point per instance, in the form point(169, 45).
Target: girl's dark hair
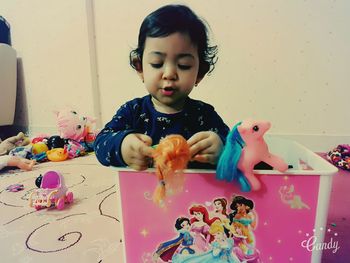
point(170, 19)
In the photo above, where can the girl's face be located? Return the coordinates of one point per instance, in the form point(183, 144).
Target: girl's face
point(170, 70)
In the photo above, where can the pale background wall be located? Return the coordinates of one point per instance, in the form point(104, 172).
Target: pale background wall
point(288, 62)
point(52, 45)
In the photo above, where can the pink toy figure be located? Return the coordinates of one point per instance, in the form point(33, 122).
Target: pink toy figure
point(71, 125)
point(290, 198)
point(52, 192)
point(245, 147)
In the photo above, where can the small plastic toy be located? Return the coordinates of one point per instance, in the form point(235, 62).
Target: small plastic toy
point(39, 147)
point(15, 188)
point(52, 192)
point(74, 149)
point(55, 141)
point(57, 154)
point(245, 147)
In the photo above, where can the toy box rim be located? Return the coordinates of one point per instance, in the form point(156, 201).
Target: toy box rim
point(262, 172)
point(326, 169)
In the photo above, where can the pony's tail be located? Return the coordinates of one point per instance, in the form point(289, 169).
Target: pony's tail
point(228, 161)
point(227, 165)
point(243, 181)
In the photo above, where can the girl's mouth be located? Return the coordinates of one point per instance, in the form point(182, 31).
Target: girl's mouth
point(168, 91)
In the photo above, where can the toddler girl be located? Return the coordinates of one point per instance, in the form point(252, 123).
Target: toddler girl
point(173, 55)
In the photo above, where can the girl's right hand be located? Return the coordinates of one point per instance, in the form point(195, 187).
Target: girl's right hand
point(137, 151)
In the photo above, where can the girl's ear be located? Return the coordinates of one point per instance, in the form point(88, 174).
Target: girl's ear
point(198, 80)
point(138, 67)
point(136, 62)
point(140, 73)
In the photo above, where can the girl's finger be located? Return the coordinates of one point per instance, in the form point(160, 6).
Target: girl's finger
point(199, 136)
point(204, 158)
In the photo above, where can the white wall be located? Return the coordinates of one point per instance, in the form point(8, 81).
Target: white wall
point(52, 44)
point(288, 62)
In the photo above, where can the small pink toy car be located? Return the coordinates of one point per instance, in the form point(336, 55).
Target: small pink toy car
point(52, 192)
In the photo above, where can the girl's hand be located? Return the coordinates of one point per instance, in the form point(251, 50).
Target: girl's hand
point(136, 151)
point(205, 147)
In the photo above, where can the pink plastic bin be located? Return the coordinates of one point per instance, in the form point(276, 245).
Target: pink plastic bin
point(290, 210)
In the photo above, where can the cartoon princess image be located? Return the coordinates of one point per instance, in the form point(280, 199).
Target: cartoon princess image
point(200, 224)
point(289, 197)
point(180, 245)
point(220, 252)
point(243, 221)
point(244, 251)
point(220, 209)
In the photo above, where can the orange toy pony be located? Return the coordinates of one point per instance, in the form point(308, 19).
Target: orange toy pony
point(171, 156)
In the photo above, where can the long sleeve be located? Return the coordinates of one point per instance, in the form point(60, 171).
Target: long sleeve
point(204, 117)
point(108, 142)
point(217, 124)
point(139, 116)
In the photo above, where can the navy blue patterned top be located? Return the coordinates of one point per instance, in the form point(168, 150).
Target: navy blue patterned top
point(140, 116)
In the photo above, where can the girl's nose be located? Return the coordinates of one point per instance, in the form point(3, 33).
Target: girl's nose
point(170, 72)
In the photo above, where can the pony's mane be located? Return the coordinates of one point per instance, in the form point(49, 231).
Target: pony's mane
point(227, 165)
point(171, 157)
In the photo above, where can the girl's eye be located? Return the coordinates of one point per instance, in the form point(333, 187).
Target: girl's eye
point(184, 67)
point(156, 65)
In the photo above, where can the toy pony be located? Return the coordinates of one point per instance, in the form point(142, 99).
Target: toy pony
point(171, 156)
point(245, 147)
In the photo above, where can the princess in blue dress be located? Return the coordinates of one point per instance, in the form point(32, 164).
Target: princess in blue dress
point(220, 251)
point(180, 245)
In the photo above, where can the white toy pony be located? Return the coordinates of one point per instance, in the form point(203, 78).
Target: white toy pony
point(245, 147)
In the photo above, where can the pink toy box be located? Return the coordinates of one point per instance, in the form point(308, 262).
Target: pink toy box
point(285, 220)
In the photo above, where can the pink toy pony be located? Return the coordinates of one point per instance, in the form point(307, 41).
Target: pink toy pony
point(245, 147)
point(73, 126)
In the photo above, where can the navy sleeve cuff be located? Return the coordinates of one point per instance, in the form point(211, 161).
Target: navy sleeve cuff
point(108, 147)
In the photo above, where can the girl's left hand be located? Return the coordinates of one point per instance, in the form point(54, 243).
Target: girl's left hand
point(205, 147)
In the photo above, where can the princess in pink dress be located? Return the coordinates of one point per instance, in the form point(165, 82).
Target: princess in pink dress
point(200, 225)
